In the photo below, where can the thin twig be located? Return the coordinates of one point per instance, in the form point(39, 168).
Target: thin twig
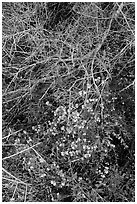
point(24, 150)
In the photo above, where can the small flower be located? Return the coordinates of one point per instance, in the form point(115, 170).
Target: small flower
point(88, 86)
point(41, 160)
point(63, 128)
point(47, 103)
point(80, 93)
point(60, 112)
point(54, 164)
point(78, 140)
point(63, 183)
point(106, 171)
point(43, 175)
point(61, 145)
point(95, 147)
point(83, 195)
point(71, 153)
point(84, 147)
point(29, 163)
point(62, 153)
point(53, 183)
point(80, 178)
point(31, 167)
point(73, 145)
point(24, 132)
point(69, 129)
point(66, 153)
point(76, 105)
point(12, 199)
point(88, 148)
point(87, 155)
point(58, 195)
point(57, 166)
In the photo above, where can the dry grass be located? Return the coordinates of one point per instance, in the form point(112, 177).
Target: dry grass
point(65, 115)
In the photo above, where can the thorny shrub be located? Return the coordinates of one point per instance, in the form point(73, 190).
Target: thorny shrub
point(68, 101)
